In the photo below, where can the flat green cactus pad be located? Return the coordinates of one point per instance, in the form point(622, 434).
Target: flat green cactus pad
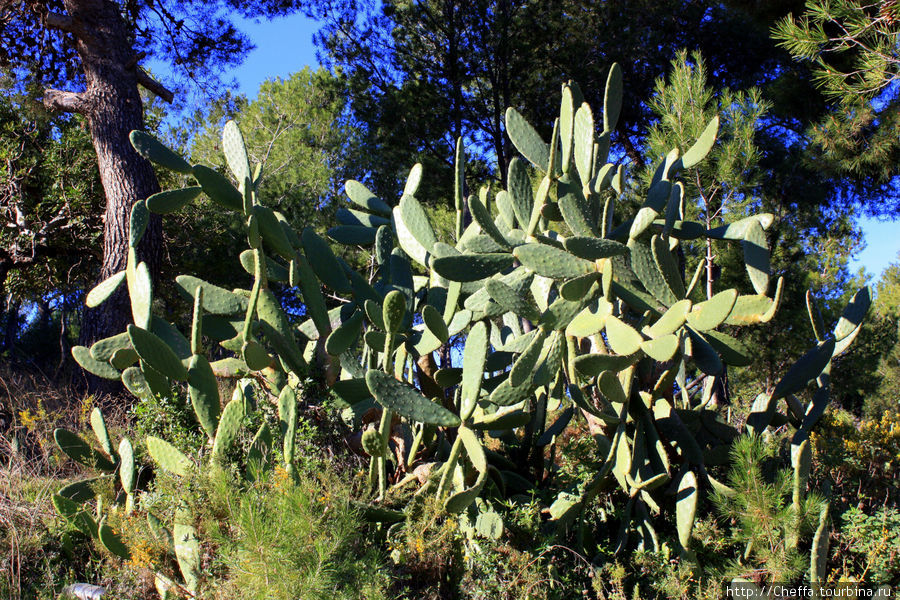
point(408, 401)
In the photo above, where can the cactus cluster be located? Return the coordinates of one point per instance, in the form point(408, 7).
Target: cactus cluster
point(152, 356)
point(117, 464)
point(568, 308)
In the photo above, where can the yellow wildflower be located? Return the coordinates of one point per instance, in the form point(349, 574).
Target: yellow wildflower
point(281, 477)
point(84, 413)
point(141, 555)
point(29, 420)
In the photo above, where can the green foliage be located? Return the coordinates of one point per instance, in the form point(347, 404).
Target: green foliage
point(874, 540)
point(285, 540)
point(735, 178)
point(860, 453)
point(452, 68)
point(168, 418)
point(549, 335)
point(52, 196)
point(296, 128)
point(867, 379)
point(851, 50)
point(765, 519)
point(867, 37)
point(685, 103)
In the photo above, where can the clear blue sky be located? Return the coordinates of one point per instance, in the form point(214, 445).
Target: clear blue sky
point(882, 246)
point(284, 46)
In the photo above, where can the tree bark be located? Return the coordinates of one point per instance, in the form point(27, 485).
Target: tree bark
point(112, 106)
point(11, 333)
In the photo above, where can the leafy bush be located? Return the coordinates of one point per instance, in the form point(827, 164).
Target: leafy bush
point(766, 522)
point(286, 540)
point(874, 543)
point(860, 457)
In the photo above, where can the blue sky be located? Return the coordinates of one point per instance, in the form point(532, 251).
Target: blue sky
point(284, 46)
point(882, 245)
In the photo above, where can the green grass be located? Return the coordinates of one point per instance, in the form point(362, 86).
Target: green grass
point(284, 540)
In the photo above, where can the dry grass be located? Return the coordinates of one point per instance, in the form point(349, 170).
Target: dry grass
point(25, 510)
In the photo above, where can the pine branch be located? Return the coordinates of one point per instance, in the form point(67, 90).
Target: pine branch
point(154, 86)
point(59, 100)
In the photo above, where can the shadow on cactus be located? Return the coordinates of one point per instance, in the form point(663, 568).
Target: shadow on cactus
point(568, 308)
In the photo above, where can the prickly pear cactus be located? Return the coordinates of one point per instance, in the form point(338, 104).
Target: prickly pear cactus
point(566, 301)
point(569, 303)
point(152, 355)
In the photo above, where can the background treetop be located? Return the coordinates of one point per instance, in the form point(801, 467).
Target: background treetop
point(852, 52)
point(198, 39)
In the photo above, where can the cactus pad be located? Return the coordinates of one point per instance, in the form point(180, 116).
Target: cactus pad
point(98, 425)
point(623, 338)
point(272, 232)
point(229, 425)
point(671, 320)
point(342, 339)
point(703, 145)
point(111, 540)
point(713, 312)
point(471, 267)
point(168, 457)
point(155, 151)
point(527, 140)
point(216, 300)
point(393, 311)
point(520, 192)
point(156, 353)
point(187, 552)
point(323, 262)
point(127, 471)
point(552, 262)
point(172, 200)
point(482, 216)
point(686, 507)
point(104, 349)
point(756, 257)
point(352, 235)
point(87, 362)
point(104, 290)
point(372, 442)
point(204, 392)
point(235, 151)
point(408, 401)
point(287, 418)
point(78, 450)
point(360, 195)
point(662, 348)
point(592, 365)
point(733, 351)
point(808, 367)
point(474, 357)
point(591, 248)
point(217, 187)
point(72, 512)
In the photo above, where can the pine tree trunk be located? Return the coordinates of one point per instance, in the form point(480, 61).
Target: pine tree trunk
point(127, 178)
point(112, 105)
point(11, 333)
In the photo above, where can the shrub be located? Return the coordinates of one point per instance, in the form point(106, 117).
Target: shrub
point(860, 457)
point(873, 544)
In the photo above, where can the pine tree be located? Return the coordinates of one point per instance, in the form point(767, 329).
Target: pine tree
point(762, 513)
point(851, 48)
